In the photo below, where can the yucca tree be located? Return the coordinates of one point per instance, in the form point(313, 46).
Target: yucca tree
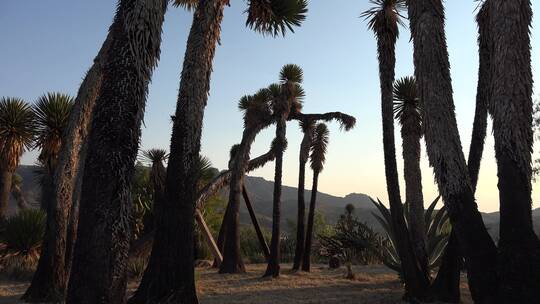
point(409, 115)
point(16, 135)
point(317, 158)
point(511, 107)
point(445, 287)
point(307, 125)
point(51, 111)
point(99, 263)
point(432, 72)
point(257, 116)
point(156, 158)
point(307, 128)
point(285, 96)
point(384, 20)
point(173, 276)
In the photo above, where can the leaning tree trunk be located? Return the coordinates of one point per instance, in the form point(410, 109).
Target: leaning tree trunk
point(61, 229)
point(445, 154)
point(511, 107)
point(411, 134)
point(6, 179)
point(273, 267)
point(170, 273)
point(103, 234)
point(232, 258)
point(306, 261)
point(262, 241)
point(416, 281)
point(445, 287)
point(301, 218)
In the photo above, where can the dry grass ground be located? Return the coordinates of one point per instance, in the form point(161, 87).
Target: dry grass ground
point(373, 284)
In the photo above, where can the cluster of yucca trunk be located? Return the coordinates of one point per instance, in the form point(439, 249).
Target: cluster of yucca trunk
point(511, 272)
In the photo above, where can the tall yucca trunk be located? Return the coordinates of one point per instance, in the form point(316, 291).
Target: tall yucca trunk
point(306, 261)
point(445, 154)
point(50, 279)
point(511, 107)
point(446, 285)
point(170, 273)
point(232, 258)
point(301, 218)
point(416, 281)
point(273, 267)
point(6, 180)
point(411, 135)
point(104, 232)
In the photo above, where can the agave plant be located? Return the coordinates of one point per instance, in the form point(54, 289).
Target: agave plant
point(22, 234)
point(437, 232)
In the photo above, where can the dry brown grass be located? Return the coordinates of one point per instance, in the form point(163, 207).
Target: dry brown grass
point(373, 284)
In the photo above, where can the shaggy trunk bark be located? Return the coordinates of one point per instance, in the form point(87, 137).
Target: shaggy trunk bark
point(258, 230)
point(61, 229)
point(17, 193)
point(301, 218)
point(416, 281)
point(512, 107)
point(411, 134)
point(445, 154)
point(6, 179)
point(273, 267)
point(232, 258)
point(306, 261)
point(104, 232)
point(446, 285)
point(170, 275)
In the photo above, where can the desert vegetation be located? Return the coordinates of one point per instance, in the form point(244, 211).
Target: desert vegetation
point(118, 224)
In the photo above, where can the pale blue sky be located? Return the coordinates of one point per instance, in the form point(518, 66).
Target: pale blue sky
point(48, 46)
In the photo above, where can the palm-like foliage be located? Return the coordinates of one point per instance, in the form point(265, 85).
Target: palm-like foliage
point(187, 4)
point(23, 233)
point(16, 131)
point(52, 112)
point(256, 108)
point(274, 17)
point(437, 231)
point(384, 16)
point(319, 147)
point(406, 101)
point(154, 155)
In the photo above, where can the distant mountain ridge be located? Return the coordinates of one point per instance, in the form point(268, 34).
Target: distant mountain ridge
point(261, 192)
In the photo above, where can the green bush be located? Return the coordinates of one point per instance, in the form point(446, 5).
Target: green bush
point(23, 233)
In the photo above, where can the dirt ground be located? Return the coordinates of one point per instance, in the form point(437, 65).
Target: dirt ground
point(373, 284)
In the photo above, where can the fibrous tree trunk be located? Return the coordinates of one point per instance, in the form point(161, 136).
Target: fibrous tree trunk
point(444, 149)
point(301, 218)
point(446, 285)
point(511, 107)
point(104, 232)
point(232, 259)
point(306, 261)
point(411, 134)
point(6, 179)
point(50, 279)
point(416, 281)
point(170, 275)
point(273, 267)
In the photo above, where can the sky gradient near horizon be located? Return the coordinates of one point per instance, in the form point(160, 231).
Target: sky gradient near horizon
point(49, 45)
